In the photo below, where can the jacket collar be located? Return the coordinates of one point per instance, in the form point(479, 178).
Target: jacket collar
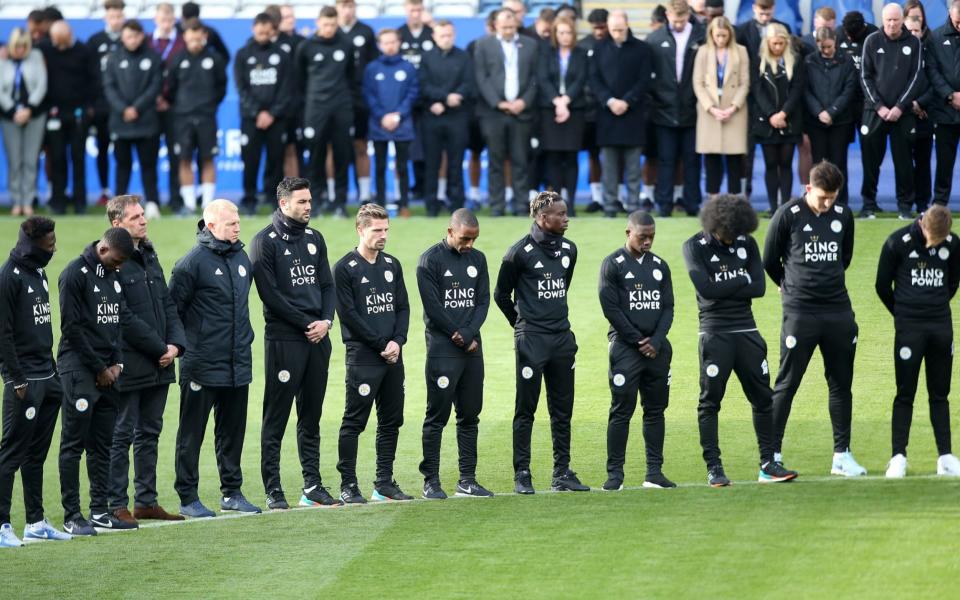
point(205, 238)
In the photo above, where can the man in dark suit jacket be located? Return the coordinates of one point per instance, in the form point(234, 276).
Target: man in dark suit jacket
point(750, 33)
point(507, 85)
point(620, 77)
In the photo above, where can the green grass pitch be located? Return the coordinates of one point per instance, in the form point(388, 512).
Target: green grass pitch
point(816, 537)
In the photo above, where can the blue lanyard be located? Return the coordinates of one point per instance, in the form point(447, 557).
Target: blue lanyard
point(722, 70)
point(169, 48)
point(17, 82)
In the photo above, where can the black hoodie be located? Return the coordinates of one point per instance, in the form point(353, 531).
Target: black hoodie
point(26, 328)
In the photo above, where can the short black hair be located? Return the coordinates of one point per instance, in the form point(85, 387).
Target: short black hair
point(288, 185)
point(37, 227)
point(36, 16)
point(133, 25)
point(565, 6)
point(728, 216)
point(659, 14)
point(118, 238)
point(598, 16)
point(542, 202)
point(826, 176)
point(190, 10)
point(464, 217)
point(264, 18)
point(52, 13)
point(640, 218)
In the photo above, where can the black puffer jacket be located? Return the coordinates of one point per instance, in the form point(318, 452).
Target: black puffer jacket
point(154, 322)
point(133, 79)
point(210, 287)
point(832, 87)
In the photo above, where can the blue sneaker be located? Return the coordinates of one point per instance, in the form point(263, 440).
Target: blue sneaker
point(42, 531)
point(237, 503)
point(196, 510)
point(8, 537)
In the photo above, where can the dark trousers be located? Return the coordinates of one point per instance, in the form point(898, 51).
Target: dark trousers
point(452, 381)
point(251, 152)
point(147, 149)
point(401, 159)
point(28, 426)
point(932, 344)
point(947, 138)
point(922, 153)
point(446, 133)
point(714, 166)
point(832, 144)
point(745, 354)
point(89, 418)
point(778, 172)
point(632, 373)
point(229, 406)
point(167, 127)
point(836, 336)
point(68, 144)
point(677, 144)
point(563, 170)
point(366, 385)
point(507, 137)
point(332, 128)
point(101, 124)
point(873, 147)
point(139, 422)
point(550, 358)
point(294, 370)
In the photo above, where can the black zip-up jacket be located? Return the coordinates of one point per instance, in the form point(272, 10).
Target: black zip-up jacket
point(26, 327)
point(771, 93)
point(210, 286)
point(674, 103)
point(548, 77)
point(927, 95)
point(726, 279)
point(890, 71)
point(455, 292)
point(197, 83)
point(832, 87)
point(152, 322)
point(72, 79)
point(133, 79)
point(373, 306)
point(365, 51)
point(636, 296)
point(292, 271)
point(533, 282)
point(914, 282)
point(101, 45)
point(91, 315)
point(806, 255)
point(588, 43)
point(944, 71)
point(324, 69)
point(443, 73)
point(263, 76)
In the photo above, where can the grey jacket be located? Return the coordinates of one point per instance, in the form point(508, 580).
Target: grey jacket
point(34, 77)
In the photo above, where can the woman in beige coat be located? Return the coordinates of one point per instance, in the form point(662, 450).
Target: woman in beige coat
point(721, 81)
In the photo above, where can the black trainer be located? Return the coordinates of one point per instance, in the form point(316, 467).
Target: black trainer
point(433, 491)
point(317, 495)
point(388, 490)
point(657, 481)
point(470, 487)
point(79, 526)
point(774, 472)
point(276, 500)
point(108, 522)
point(350, 494)
point(567, 482)
point(612, 484)
point(523, 482)
point(716, 477)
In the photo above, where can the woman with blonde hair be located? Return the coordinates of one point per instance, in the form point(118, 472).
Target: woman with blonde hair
point(776, 106)
point(721, 82)
point(23, 85)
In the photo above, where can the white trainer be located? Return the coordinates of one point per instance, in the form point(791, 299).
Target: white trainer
point(151, 211)
point(897, 467)
point(948, 465)
point(844, 464)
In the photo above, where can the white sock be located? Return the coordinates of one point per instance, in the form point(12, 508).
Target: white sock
point(677, 192)
point(189, 195)
point(646, 191)
point(364, 184)
point(208, 191)
point(442, 188)
point(331, 190)
point(622, 192)
point(532, 195)
point(474, 194)
point(596, 192)
point(743, 185)
point(508, 194)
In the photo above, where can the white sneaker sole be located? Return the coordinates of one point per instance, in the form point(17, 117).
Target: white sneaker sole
point(842, 473)
point(651, 486)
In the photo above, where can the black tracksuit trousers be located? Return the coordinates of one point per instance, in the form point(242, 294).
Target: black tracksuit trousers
point(932, 344)
point(452, 381)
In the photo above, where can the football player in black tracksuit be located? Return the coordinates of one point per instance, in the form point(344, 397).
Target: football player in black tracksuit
point(210, 286)
point(325, 73)
point(90, 360)
point(374, 318)
point(532, 294)
point(455, 291)
point(31, 386)
point(724, 265)
point(293, 278)
point(809, 247)
point(263, 74)
point(102, 44)
point(917, 276)
point(636, 295)
point(365, 51)
point(416, 39)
